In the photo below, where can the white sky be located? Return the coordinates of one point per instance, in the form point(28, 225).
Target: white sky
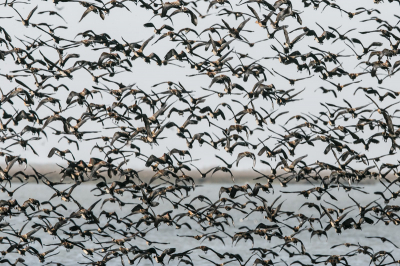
point(129, 25)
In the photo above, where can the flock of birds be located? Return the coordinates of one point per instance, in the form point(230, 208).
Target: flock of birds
point(139, 119)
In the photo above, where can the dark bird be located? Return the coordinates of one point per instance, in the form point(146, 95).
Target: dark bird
point(25, 22)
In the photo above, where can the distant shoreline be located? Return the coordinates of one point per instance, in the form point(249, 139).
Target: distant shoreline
point(241, 176)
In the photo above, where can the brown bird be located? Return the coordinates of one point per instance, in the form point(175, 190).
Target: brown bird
point(25, 22)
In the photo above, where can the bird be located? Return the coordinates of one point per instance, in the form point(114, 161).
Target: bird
point(292, 81)
point(52, 13)
point(25, 22)
point(132, 151)
point(246, 154)
point(227, 164)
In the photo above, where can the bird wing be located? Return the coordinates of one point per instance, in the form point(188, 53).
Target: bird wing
point(146, 42)
point(298, 160)
point(31, 13)
point(87, 11)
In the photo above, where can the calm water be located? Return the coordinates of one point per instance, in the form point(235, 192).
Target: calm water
point(169, 233)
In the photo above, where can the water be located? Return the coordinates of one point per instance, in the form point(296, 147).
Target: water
point(169, 234)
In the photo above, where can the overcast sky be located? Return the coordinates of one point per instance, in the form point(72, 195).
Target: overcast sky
point(129, 25)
